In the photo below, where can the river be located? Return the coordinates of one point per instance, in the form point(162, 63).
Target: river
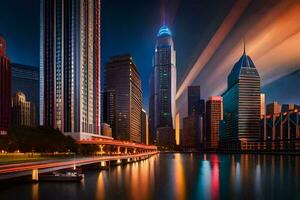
point(178, 176)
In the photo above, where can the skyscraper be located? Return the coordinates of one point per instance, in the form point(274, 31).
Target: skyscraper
point(194, 100)
point(123, 98)
point(163, 85)
point(5, 89)
point(23, 111)
point(214, 114)
point(70, 66)
point(242, 103)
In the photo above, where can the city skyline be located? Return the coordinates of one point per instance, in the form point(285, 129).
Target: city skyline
point(154, 99)
point(113, 41)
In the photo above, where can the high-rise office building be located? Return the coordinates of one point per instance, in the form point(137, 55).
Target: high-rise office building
point(23, 111)
point(25, 79)
point(5, 89)
point(144, 127)
point(123, 98)
point(242, 104)
point(194, 107)
point(163, 84)
point(70, 66)
point(214, 114)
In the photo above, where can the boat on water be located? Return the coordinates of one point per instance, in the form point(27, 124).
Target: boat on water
point(67, 176)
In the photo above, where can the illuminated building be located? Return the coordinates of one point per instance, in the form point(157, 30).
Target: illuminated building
point(273, 108)
point(123, 98)
point(70, 66)
point(214, 114)
point(163, 84)
point(25, 79)
point(289, 107)
point(242, 104)
point(5, 89)
point(106, 130)
point(144, 127)
point(262, 105)
point(281, 131)
point(23, 111)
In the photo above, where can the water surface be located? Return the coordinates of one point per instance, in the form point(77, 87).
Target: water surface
point(178, 176)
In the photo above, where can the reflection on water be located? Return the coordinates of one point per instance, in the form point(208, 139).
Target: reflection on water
point(179, 176)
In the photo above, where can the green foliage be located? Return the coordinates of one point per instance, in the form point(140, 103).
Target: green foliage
point(39, 139)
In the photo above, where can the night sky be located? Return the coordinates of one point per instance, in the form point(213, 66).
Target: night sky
point(127, 27)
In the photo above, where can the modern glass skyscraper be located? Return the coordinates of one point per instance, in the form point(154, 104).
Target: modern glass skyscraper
point(242, 103)
point(122, 98)
point(70, 65)
point(163, 83)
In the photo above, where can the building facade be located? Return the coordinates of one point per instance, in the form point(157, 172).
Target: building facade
point(5, 89)
point(106, 130)
point(189, 138)
point(70, 66)
point(195, 106)
point(214, 114)
point(163, 84)
point(123, 98)
point(25, 79)
point(280, 131)
point(273, 108)
point(23, 111)
point(242, 104)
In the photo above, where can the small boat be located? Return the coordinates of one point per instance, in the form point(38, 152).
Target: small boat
point(67, 176)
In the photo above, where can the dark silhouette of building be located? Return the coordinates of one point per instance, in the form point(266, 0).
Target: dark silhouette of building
point(163, 85)
point(214, 114)
point(70, 66)
point(189, 138)
point(123, 98)
point(242, 105)
point(196, 105)
point(5, 89)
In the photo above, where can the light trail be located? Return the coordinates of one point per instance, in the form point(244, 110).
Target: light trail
point(228, 23)
point(83, 161)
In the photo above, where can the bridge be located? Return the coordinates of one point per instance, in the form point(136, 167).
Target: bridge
point(109, 145)
point(33, 169)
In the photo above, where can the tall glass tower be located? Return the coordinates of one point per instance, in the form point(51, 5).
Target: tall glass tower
point(242, 103)
point(70, 65)
point(163, 83)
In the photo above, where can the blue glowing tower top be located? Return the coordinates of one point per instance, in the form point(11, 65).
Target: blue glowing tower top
point(164, 31)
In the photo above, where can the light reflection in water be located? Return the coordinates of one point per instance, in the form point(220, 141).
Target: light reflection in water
point(35, 191)
point(100, 191)
point(183, 176)
point(179, 178)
